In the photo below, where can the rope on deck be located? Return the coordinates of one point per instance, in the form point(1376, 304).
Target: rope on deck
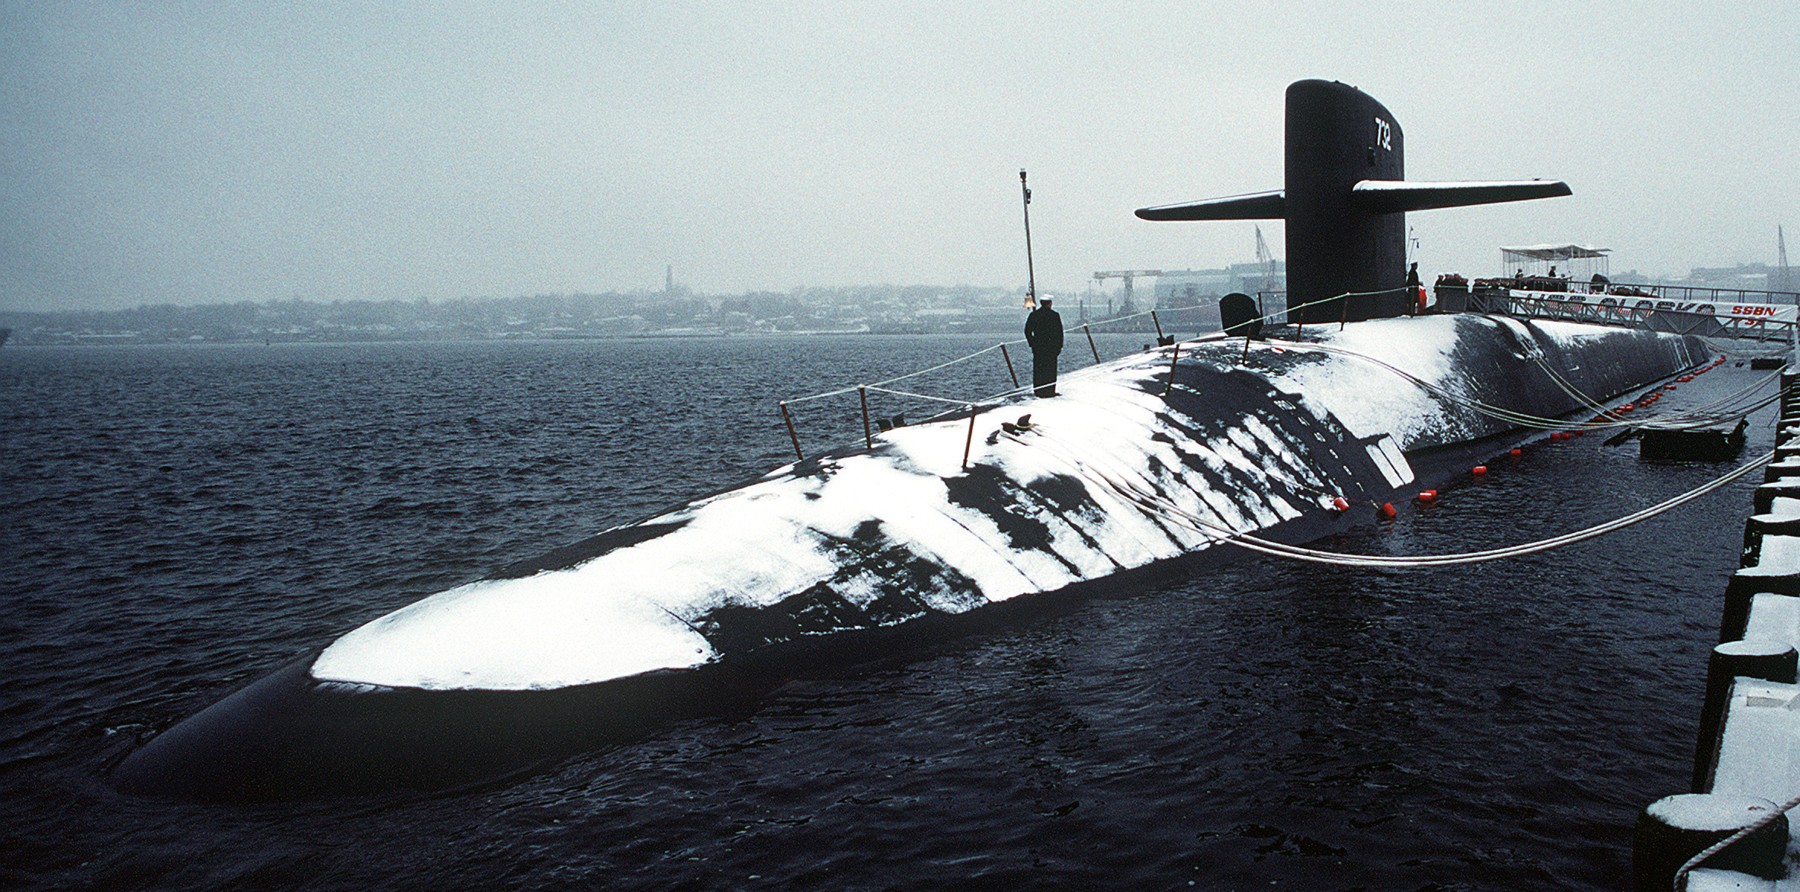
point(919, 396)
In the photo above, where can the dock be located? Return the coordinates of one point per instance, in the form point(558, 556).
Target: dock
point(1732, 829)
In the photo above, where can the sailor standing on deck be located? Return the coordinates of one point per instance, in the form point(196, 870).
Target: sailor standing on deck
point(1044, 332)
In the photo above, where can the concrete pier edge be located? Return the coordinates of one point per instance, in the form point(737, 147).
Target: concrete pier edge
point(1745, 676)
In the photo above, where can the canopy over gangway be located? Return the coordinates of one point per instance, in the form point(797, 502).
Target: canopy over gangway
point(1577, 261)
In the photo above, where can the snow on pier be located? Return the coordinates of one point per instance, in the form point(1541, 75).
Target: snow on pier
point(1747, 758)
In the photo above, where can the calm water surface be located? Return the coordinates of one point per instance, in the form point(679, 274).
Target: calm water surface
point(178, 521)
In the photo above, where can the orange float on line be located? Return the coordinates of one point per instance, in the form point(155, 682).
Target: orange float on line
point(1428, 496)
point(1479, 470)
point(1387, 511)
point(1515, 453)
point(1339, 504)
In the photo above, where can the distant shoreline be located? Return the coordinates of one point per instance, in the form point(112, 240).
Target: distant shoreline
point(124, 341)
point(104, 341)
point(61, 339)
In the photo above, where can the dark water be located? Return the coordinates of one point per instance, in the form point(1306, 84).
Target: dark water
point(178, 521)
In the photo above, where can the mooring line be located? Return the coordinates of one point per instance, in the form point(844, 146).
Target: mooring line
point(1153, 502)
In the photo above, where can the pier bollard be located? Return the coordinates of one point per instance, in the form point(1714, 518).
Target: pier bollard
point(1763, 501)
point(1751, 583)
point(1734, 620)
point(1782, 469)
point(1760, 525)
point(1762, 659)
point(1675, 828)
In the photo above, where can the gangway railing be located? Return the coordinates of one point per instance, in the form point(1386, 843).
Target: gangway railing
point(1712, 312)
point(1712, 294)
point(1684, 293)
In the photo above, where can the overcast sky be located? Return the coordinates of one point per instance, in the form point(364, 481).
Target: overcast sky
point(195, 153)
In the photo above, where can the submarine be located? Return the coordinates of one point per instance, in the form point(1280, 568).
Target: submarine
point(1153, 463)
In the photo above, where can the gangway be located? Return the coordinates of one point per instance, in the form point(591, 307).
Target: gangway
point(1677, 309)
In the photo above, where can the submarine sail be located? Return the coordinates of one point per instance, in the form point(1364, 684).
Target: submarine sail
point(1344, 201)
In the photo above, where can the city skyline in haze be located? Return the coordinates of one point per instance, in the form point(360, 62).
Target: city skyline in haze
point(196, 154)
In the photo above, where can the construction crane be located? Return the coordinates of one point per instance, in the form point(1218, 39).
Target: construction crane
point(1266, 259)
point(1782, 272)
point(1127, 275)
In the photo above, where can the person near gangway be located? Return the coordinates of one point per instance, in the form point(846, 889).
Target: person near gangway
point(1044, 334)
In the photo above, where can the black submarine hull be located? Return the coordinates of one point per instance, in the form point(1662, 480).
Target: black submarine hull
point(292, 734)
point(285, 736)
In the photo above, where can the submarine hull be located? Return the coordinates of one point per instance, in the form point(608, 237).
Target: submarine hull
point(287, 736)
point(1143, 466)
